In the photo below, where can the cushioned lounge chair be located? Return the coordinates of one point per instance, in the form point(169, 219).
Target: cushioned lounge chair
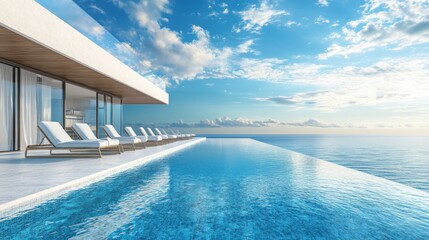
point(190, 135)
point(151, 138)
point(170, 137)
point(60, 140)
point(84, 132)
point(174, 136)
point(130, 132)
point(126, 142)
point(182, 136)
point(164, 137)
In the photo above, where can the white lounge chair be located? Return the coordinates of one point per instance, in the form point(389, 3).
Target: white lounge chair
point(164, 137)
point(182, 136)
point(84, 132)
point(131, 142)
point(157, 140)
point(144, 138)
point(171, 132)
point(170, 137)
point(190, 135)
point(150, 137)
point(60, 140)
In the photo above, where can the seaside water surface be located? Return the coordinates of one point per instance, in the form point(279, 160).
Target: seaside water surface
point(401, 159)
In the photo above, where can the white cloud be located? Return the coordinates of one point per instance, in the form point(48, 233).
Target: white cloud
point(291, 23)
point(97, 9)
point(243, 122)
point(245, 47)
point(264, 69)
point(165, 49)
point(314, 123)
point(225, 11)
point(323, 3)
point(334, 36)
point(321, 20)
point(274, 70)
point(387, 81)
point(254, 18)
point(213, 14)
point(227, 122)
point(126, 49)
point(384, 23)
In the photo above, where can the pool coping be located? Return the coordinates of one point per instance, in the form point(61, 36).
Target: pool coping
point(13, 207)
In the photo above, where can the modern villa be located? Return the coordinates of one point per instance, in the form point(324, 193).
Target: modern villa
point(51, 72)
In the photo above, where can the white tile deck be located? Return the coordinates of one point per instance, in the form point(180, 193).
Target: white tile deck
point(22, 180)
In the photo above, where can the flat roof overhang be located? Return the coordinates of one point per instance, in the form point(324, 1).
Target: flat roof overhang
point(42, 41)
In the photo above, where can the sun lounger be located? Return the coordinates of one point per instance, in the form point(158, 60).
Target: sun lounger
point(129, 142)
point(174, 136)
point(165, 138)
point(130, 132)
point(182, 136)
point(190, 135)
point(84, 132)
point(60, 140)
point(150, 137)
point(170, 137)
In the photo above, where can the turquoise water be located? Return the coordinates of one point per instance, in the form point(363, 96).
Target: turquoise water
point(231, 189)
point(401, 159)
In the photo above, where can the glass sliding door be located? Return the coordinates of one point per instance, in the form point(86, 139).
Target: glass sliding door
point(117, 114)
point(105, 113)
point(81, 107)
point(7, 107)
point(41, 99)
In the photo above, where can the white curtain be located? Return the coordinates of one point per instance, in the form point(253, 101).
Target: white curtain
point(36, 106)
point(45, 100)
point(6, 107)
point(29, 117)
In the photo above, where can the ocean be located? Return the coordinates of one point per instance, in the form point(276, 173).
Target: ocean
point(402, 159)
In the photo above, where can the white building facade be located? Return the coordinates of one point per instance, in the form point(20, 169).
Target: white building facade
point(51, 72)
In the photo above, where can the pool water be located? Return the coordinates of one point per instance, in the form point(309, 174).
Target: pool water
point(402, 159)
point(229, 189)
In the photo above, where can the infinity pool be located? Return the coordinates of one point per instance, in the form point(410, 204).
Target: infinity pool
point(231, 189)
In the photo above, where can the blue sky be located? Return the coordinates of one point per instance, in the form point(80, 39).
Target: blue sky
point(307, 66)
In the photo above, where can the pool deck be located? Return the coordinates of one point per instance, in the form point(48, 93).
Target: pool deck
point(31, 181)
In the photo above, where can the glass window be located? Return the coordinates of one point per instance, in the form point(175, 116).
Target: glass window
point(117, 114)
point(101, 116)
point(80, 108)
point(108, 110)
point(41, 99)
point(6, 107)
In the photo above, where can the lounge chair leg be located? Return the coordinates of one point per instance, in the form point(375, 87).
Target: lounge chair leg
point(99, 153)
